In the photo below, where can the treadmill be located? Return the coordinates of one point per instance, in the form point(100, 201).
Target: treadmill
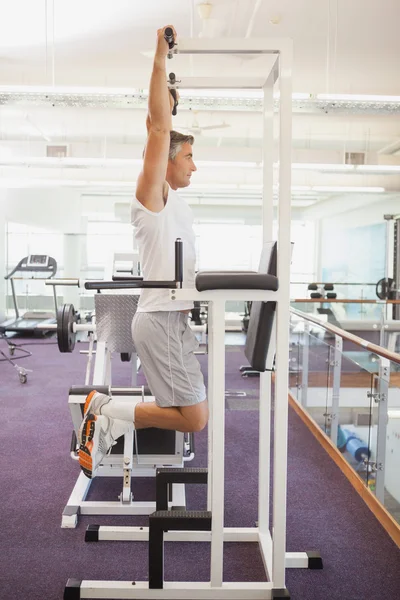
point(34, 265)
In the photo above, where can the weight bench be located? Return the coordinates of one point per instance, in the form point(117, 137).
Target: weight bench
point(133, 456)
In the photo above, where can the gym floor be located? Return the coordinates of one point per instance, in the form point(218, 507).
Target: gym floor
point(37, 476)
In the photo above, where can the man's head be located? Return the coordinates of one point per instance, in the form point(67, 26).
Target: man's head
point(180, 160)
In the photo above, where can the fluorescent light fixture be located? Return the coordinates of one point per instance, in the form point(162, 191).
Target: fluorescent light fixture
point(216, 188)
point(81, 90)
point(7, 160)
point(101, 91)
point(185, 93)
point(23, 183)
point(44, 161)
point(322, 167)
point(302, 203)
point(354, 189)
point(300, 188)
point(213, 186)
point(257, 94)
point(227, 163)
point(358, 98)
point(188, 93)
point(250, 186)
point(379, 168)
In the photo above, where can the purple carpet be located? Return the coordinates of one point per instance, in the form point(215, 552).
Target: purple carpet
point(37, 476)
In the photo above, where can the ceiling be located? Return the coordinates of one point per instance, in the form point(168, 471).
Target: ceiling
point(340, 47)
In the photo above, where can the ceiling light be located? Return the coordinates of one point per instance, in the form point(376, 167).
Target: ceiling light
point(250, 186)
point(378, 168)
point(354, 189)
point(44, 161)
point(322, 167)
point(32, 182)
point(227, 163)
point(358, 98)
point(213, 186)
point(48, 89)
point(109, 91)
point(226, 93)
point(301, 188)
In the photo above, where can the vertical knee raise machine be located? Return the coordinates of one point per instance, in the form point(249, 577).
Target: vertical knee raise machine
point(134, 456)
point(268, 336)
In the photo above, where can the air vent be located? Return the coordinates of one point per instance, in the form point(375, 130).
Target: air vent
point(363, 419)
point(354, 158)
point(56, 151)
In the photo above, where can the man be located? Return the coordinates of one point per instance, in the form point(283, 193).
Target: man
point(163, 339)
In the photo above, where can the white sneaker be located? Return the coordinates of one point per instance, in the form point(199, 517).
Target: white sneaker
point(93, 403)
point(98, 434)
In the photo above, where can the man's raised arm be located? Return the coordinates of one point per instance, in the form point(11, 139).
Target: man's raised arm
point(150, 184)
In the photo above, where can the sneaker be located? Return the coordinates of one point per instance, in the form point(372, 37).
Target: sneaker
point(93, 403)
point(98, 434)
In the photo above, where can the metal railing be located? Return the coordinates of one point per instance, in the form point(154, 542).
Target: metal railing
point(351, 388)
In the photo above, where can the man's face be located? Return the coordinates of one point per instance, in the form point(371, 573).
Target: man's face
point(182, 167)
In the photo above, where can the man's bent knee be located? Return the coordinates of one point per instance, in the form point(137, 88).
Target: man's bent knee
point(196, 415)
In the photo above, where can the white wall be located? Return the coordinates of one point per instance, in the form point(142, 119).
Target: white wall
point(365, 214)
point(55, 209)
point(337, 228)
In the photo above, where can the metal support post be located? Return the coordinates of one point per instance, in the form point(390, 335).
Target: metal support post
point(304, 370)
point(283, 318)
point(383, 393)
point(337, 368)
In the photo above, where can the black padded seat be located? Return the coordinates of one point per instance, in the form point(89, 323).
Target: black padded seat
point(260, 344)
point(235, 280)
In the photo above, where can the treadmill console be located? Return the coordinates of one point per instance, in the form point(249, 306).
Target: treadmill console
point(37, 260)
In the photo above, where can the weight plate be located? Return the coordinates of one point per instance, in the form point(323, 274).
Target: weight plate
point(69, 320)
point(65, 334)
point(60, 315)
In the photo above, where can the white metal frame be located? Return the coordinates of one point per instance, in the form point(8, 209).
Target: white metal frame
point(272, 546)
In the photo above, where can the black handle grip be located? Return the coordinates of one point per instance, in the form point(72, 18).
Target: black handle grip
point(179, 261)
point(169, 37)
point(173, 94)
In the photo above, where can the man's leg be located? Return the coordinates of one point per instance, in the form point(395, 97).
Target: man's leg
point(102, 425)
point(166, 345)
point(181, 418)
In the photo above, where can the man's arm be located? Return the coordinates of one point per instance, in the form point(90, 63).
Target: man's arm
point(172, 104)
point(150, 184)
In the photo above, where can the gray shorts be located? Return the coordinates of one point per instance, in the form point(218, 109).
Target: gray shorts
point(165, 345)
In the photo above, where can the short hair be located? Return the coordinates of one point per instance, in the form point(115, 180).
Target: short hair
point(176, 142)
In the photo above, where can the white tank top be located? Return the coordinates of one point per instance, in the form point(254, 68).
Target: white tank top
point(156, 233)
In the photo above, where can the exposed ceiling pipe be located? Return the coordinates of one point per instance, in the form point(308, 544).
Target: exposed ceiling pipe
point(192, 36)
point(253, 18)
point(192, 19)
point(392, 148)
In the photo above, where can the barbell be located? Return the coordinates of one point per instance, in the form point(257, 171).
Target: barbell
point(67, 327)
